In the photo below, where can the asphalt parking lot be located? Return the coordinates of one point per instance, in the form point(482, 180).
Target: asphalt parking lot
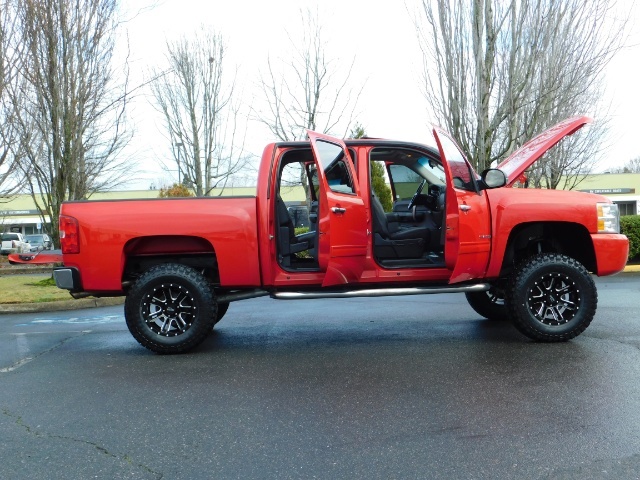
point(402, 387)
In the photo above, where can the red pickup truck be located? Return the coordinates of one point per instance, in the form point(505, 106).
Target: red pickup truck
point(519, 254)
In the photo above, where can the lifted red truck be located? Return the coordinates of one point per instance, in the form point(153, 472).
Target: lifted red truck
point(519, 254)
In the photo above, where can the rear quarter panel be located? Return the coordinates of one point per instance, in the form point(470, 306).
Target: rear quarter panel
point(229, 224)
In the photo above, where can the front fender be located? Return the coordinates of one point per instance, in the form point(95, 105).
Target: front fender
point(513, 207)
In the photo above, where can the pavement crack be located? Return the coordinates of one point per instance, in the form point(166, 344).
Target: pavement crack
point(23, 361)
point(39, 434)
point(633, 342)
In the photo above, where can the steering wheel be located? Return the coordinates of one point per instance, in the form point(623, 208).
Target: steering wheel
point(432, 197)
point(415, 195)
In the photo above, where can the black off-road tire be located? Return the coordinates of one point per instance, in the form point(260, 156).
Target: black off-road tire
point(222, 309)
point(551, 297)
point(171, 308)
point(489, 304)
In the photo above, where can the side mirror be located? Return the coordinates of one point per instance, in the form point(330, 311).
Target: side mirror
point(494, 178)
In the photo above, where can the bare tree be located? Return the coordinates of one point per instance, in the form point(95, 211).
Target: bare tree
point(308, 91)
point(202, 116)
point(9, 68)
point(632, 166)
point(71, 120)
point(499, 71)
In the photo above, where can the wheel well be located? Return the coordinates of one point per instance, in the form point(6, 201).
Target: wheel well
point(571, 239)
point(142, 253)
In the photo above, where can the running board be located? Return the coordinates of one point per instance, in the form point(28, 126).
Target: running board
point(241, 295)
point(381, 292)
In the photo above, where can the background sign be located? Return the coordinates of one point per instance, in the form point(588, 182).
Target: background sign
point(609, 191)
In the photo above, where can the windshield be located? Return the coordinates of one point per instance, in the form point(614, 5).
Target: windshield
point(434, 168)
point(33, 239)
point(10, 236)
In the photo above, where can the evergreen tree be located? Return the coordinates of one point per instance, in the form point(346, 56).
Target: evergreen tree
point(378, 184)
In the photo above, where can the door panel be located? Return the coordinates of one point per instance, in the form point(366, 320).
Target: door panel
point(342, 215)
point(468, 225)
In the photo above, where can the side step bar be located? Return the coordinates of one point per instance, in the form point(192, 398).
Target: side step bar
point(381, 292)
point(371, 292)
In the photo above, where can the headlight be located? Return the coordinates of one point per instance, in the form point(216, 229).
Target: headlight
point(608, 218)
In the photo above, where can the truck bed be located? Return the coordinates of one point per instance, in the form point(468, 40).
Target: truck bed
point(114, 231)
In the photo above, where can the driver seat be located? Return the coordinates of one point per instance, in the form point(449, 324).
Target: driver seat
point(393, 241)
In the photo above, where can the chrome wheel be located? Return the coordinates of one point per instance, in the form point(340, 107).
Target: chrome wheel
point(489, 304)
point(168, 310)
point(551, 297)
point(495, 296)
point(554, 299)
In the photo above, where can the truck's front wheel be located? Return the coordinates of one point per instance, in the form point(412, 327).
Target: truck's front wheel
point(171, 308)
point(551, 297)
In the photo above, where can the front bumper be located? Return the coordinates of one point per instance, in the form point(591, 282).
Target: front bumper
point(612, 252)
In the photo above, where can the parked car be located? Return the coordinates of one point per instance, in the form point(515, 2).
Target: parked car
point(14, 243)
point(39, 242)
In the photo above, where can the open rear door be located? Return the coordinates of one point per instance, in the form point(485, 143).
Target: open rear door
point(468, 222)
point(342, 215)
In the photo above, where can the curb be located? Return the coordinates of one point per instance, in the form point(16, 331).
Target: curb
point(5, 272)
point(631, 268)
point(61, 305)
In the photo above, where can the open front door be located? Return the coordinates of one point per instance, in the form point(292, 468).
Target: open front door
point(342, 215)
point(468, 221)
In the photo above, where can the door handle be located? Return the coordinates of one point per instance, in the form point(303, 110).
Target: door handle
point(338, 209)
point(465, 208)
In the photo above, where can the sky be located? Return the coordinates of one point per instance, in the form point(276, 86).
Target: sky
point(388, 65)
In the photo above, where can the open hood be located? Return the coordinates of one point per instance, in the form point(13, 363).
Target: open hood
point(525, 156)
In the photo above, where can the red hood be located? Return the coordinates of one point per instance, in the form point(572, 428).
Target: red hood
point(525, 156)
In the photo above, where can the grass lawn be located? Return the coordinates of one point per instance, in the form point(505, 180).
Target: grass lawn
point(30, 289)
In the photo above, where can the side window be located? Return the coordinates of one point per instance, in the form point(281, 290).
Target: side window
point(460, 170)
point(294, 191)
point(405, 181)
point(333, 163)
point(292, 179)
point(313, 176)
point(380, 186)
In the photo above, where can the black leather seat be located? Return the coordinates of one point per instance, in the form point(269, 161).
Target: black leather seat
point(395, 240)
point(288, 242)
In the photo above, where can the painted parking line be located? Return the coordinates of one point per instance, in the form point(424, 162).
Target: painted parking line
point(62, 320)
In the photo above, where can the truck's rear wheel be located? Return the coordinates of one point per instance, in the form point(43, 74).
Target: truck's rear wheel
point(222, 309)
point(171, 308)
point(551, 298)
point(489, 304)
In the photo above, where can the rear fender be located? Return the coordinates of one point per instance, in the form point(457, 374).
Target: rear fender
point(142, 253)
